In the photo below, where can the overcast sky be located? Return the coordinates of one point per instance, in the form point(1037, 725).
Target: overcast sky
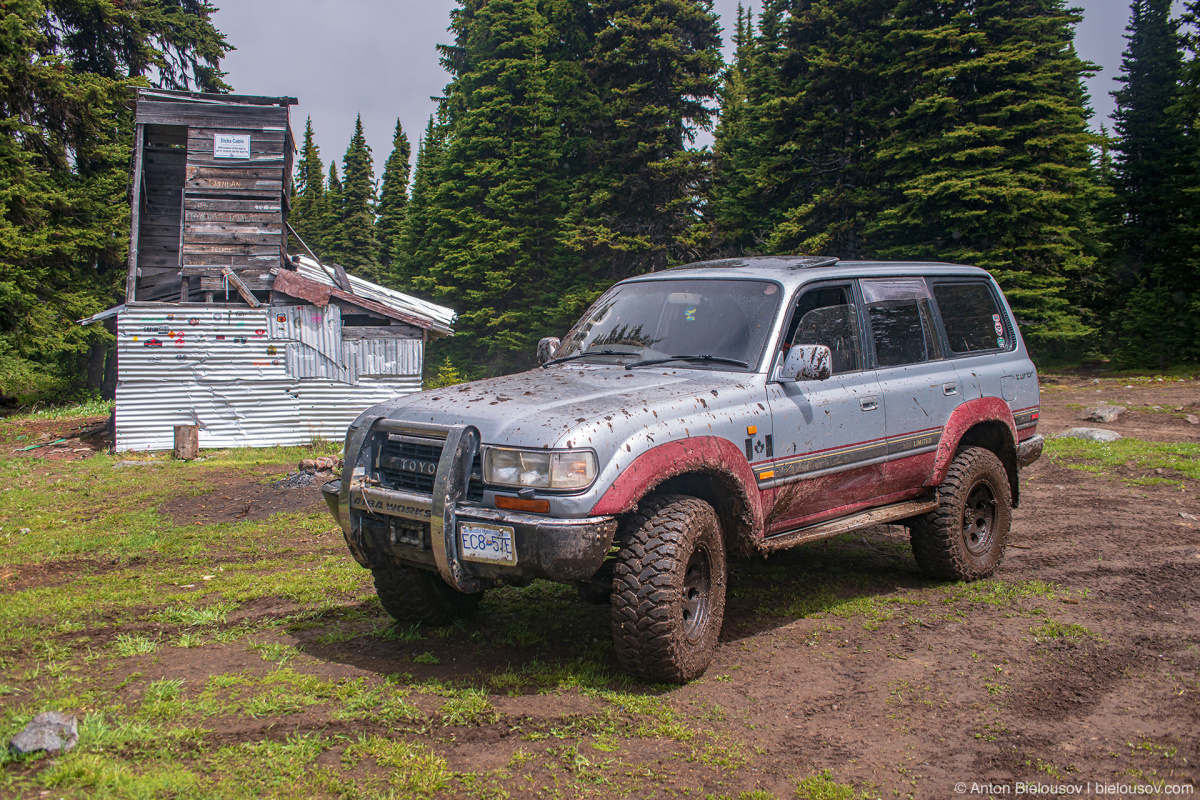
point(378, 58)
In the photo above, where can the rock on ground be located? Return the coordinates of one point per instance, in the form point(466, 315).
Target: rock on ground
point(49, 731)
point(1090, 434)
point(1103, 413)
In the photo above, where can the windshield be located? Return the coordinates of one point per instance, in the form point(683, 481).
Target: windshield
point(727, 320)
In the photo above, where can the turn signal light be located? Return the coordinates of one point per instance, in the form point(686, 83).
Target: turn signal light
point(521, 504)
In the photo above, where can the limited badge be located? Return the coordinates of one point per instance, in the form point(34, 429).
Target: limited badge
point(690, 314)
point(999, 341)
point(999, 329)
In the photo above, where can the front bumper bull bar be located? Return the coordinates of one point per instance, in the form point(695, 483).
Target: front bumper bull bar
point(556, 549)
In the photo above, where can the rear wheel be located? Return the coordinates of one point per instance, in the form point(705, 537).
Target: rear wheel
point(964, 537)
point(668, 597)
point(415, 595)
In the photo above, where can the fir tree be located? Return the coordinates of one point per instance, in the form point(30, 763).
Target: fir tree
point(493, 223)
point(66, 72)
point(652, 70)
point(1155, 324)
point(825, 124)
point(393, 198)
point(353, 239)
point(308, 194)
point(329, 217)
point(733, 188)
point(989, 164)
point(752, 185)
point(413, 247)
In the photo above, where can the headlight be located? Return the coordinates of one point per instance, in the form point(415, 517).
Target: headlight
point(540, 469)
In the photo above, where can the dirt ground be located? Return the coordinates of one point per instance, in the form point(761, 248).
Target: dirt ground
point(1079, 666)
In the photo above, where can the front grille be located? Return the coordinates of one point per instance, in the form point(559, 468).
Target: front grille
point(475, 486)
point(409, 464)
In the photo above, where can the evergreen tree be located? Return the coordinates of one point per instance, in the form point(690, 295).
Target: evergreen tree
point(1182, 275)
point(836, 94)
point(353, 239)
point(492, 231)
point(989, 164)
point(393, 199)
point(329, 218)
point(652, 69)
point(1150, 167)
point(732, 191)
point(308, 194)
point(413, 247)
point(753, 182)
point(66, 70)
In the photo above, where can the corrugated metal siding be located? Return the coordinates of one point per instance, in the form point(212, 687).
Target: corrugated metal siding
point(194, 342)
point(319, 328)
point(227, 371)
point(382, 357)
point(305, 362)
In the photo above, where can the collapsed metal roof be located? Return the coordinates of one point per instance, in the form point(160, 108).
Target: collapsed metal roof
point(318, 285)
point(441, 318)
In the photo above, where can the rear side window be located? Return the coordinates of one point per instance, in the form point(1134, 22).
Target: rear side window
point(901, 321)
point(971, 317)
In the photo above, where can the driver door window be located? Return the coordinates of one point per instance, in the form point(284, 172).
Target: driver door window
point(828, 316)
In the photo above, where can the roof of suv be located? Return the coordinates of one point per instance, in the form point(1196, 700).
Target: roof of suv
point(794, 270)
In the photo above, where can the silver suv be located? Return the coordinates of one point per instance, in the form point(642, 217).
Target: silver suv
point(736, 406)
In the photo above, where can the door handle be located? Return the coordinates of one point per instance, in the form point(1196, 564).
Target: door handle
point(949, 389)
point(868, 403)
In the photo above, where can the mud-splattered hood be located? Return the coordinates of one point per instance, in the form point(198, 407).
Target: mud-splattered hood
point(578, 405)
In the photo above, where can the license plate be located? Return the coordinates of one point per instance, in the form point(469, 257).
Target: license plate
point(491, 543)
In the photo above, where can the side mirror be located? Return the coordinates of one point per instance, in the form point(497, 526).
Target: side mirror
point(806, 362)
point(547, 348)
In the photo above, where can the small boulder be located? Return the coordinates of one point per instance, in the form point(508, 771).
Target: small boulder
point(1090, 434)
point(1103, 413)
point(49, 731)
point(1192, 419)
point(308, 465)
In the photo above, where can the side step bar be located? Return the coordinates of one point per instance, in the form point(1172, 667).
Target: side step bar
point(854, 522)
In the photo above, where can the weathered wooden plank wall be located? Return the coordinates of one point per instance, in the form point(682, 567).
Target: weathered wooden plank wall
point(200, 210)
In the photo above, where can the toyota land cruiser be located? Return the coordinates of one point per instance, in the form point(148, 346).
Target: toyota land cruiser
point(735, 406)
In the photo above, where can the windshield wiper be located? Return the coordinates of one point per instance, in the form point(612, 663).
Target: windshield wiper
point(649, 362)
point(586, 353)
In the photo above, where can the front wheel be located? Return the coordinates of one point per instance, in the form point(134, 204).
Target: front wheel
point(415, 595)
point(964, 537)
point(668, 595)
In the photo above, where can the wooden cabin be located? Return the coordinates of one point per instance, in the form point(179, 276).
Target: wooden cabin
point(211, 181)
point(220, 329)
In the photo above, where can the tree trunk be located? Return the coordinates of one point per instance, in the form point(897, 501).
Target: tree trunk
point(108, 387)
point(95, 366)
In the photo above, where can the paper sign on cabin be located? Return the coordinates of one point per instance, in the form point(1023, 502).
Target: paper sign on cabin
point(230, 145)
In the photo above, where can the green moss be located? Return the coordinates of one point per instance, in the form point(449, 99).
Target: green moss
point(1182, 458)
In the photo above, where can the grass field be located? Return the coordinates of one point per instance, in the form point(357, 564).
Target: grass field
point(215, 639)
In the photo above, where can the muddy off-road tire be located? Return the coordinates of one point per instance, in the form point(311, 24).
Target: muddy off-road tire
point(415, 595)
point(668, 595)
point(963, 539)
